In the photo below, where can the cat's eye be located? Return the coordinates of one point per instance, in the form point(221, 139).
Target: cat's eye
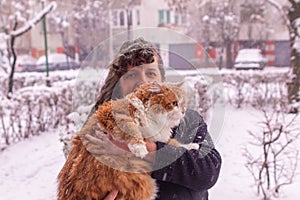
point(175, 103)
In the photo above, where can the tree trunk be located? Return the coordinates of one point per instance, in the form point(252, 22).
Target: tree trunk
point(229, 62)
point(129, 23)
point(294, 84)
point(12, 50)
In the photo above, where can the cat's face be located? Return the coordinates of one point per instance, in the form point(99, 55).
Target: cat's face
point(180, 93)
point(165, 107)
point(167, 103)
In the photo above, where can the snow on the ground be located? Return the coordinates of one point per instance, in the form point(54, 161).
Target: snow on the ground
point(28, 169)
point(235, 181)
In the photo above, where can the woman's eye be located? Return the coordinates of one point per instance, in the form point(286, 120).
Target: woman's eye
point(151, 74)
point(131, 75)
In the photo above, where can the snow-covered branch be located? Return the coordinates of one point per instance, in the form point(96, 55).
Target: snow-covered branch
point(269, 169)
point(31, 23)
point(281, 11)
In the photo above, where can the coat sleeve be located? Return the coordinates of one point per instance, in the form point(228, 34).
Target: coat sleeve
point(194, 169)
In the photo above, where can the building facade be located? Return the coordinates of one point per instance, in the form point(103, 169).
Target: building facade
point(77, 27)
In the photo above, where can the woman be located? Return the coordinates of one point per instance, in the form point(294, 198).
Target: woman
point(179, 173)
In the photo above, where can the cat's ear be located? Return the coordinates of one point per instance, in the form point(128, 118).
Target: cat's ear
point(155, 87)
point(178, 84)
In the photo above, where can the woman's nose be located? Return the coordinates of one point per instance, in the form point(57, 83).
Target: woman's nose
point(142, 79)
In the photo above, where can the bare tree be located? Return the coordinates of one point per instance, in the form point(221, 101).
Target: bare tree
point(253, 15)
point(227, 28)
point(271, 157)
point(291, 16)
point(19, 25)
point(79, 19)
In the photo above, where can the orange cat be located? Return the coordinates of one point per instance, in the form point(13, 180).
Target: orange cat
point(150, 112)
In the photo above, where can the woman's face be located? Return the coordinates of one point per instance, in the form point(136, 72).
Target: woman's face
point(139, 75)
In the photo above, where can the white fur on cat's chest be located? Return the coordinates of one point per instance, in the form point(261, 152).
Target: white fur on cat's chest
point(157, 128)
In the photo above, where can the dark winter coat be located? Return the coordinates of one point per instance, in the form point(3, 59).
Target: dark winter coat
point(182, 174)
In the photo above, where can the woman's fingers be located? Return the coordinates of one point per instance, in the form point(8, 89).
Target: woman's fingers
point(99, 143)
point(112, 195)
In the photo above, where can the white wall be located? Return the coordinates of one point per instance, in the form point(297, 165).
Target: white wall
point(149, 10)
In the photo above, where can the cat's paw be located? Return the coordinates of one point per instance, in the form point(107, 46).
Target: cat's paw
point(191, 146)
point(194, 146)
point(139, 150)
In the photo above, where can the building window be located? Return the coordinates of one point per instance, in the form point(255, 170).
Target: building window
point(138, 22)
point(183, 18)
point(161, 17)
point(115, 18)
point(168, 17)
point(176, 19)
point(164, 17)
point(122, 18)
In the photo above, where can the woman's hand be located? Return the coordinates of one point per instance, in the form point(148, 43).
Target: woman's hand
point(151, 146)
point(112, 195)
point(100, 143)
point(121, 145)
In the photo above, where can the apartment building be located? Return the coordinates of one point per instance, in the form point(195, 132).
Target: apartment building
point(83, 26)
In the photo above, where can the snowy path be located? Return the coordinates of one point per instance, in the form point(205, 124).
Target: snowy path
point(28, 170)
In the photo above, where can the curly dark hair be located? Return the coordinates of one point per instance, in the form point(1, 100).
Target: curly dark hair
point(131, 53)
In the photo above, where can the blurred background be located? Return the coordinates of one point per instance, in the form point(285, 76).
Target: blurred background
point(239, 59)
point(221, 28)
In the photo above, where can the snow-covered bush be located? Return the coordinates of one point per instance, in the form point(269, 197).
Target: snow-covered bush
point(32, 110)
point(75, 121)
point(26, 79)
point(255, 88)
point(87, 86)
point(4, 65)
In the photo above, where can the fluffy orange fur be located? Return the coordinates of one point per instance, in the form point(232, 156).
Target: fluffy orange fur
point(84, 175)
